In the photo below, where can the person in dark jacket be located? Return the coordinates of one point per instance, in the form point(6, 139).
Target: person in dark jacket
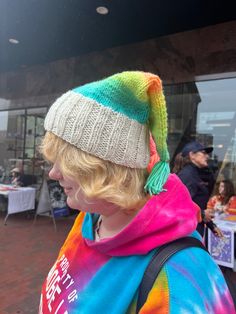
point(189, 165)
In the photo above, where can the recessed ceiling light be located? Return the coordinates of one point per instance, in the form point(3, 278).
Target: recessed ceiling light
point(13, 41)
point(102, 10)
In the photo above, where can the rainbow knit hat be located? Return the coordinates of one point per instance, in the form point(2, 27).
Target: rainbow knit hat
point(112, 119)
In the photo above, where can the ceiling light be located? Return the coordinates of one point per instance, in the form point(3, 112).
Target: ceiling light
point(13, 41)
point(102, 10)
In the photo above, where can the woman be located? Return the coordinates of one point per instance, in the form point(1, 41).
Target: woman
point(98, 143)
point(188, 166)
point(231, 206)
point(224, 201)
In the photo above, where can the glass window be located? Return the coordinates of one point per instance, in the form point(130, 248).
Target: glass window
point(205, 111)
point(11, 141)
point(216, 120)
point(20, 135)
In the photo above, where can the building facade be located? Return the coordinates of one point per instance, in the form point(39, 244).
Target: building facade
point(198, 69)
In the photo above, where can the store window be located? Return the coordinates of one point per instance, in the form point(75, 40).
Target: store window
point(205, 111)
point(20, 134)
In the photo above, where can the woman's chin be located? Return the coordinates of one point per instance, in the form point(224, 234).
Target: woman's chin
point(72, 204)
point(75, 205)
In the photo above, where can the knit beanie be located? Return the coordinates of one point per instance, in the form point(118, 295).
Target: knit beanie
point(113, 118)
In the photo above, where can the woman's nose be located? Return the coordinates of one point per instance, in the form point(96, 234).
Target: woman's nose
point(55, 173)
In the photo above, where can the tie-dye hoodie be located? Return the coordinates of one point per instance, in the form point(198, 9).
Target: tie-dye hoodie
point(103, 277)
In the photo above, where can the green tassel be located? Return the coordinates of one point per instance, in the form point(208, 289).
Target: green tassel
point(157, 178)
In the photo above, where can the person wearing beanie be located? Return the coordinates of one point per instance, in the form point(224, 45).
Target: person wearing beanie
point(98, 142)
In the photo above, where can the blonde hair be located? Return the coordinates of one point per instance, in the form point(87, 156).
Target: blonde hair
point(97, 178)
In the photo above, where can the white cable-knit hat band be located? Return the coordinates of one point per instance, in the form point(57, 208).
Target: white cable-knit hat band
point(99, 130)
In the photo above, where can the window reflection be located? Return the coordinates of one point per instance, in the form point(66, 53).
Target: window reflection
point(205, 111)
point(20, 135)
point(217, 119)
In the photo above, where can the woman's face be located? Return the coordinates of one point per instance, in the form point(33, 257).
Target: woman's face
point(76, 198)
point(200, 158)
point(221, 188)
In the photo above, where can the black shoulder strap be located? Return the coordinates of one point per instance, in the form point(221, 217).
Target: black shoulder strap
point(157, 262)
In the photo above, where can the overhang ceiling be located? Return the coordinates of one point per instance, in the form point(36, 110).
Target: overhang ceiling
point(49, 30)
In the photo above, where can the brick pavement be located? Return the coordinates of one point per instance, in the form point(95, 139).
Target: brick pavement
point(26, 253)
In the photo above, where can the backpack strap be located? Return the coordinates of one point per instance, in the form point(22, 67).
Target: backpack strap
point(157, 262)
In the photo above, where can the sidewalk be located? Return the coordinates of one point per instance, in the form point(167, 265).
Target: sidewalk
point(26, 253)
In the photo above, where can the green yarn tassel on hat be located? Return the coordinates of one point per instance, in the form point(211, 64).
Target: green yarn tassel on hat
point(157, 178)
point(158, 128)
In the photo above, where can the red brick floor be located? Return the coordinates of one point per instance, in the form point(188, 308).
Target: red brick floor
point(26, 254)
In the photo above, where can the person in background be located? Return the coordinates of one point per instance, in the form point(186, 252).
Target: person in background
point(188, 166)
point(97, 140)
point(16, 177)
point(2, 174)
point(224, 202)
point(207, 176)
point(219, 203)
point(231, 206)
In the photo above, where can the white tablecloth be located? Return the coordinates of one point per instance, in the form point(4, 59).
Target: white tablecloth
point(20, 200)
point(226, 221)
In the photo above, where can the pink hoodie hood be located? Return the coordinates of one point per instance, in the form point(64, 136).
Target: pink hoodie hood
point(165, 217)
